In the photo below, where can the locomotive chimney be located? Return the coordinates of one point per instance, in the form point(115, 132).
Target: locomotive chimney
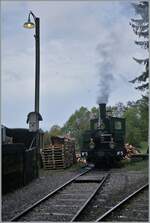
point(102, 111)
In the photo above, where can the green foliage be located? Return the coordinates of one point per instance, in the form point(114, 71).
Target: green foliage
point(94, 112)
point(77, 124)
point(55, 130)
point(136, 166)
point(141, 29)
point(118, 110)
point(143, 147)
point(47, 139)
point(132, 131)
point(136, 114)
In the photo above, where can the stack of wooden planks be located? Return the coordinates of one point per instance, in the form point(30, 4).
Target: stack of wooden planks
point(131, 150)
point(60, 154)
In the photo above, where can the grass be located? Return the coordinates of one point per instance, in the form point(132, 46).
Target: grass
point(142, 165)
point(76, 166)
point(143, 147)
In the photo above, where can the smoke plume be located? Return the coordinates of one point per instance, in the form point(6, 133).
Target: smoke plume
point(105, 73)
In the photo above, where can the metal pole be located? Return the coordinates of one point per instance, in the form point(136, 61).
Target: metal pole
point(37, 83)
point(37, 63)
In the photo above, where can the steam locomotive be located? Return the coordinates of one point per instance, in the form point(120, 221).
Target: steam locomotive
point(103, 144)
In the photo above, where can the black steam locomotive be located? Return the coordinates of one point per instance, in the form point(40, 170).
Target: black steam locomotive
point(103, 144)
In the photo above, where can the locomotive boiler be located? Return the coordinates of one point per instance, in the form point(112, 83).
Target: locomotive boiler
point(103, 143)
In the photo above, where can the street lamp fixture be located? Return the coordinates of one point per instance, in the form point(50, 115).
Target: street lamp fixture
point(29, 24)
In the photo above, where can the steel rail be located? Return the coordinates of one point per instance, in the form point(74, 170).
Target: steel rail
point(21, 214)
point(75, 218)
point(106, 214)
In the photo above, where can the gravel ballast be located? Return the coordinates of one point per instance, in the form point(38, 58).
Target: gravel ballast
point(15, 202)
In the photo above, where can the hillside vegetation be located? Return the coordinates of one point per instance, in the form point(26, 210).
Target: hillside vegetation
point(135, 113)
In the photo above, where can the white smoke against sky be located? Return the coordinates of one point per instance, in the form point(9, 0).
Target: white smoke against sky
point(106, 78)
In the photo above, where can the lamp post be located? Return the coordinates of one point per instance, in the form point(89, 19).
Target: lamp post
point(36, 25)
point(34, 117)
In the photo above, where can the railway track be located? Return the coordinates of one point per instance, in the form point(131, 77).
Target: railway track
point(121, 211)
point(66, 202)
point(90, 196)
point(105, 206)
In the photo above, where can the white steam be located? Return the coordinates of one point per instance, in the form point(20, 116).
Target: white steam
point(105, 73)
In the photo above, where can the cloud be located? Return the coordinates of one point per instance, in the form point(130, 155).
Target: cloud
point(70, 34)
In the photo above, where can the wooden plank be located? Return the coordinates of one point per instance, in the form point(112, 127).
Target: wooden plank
point(59, 155)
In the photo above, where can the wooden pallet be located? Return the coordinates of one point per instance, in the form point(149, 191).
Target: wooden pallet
point(55, 165)
point(58, 156)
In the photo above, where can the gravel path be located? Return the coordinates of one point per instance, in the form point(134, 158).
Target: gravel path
point(17, 201)
point(118, 186)
point(14, 203)
point(136, 208)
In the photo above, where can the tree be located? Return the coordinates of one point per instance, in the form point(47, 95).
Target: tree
point(144, 117)
point(140, 27)
point(133, 134)
point(55, 130)
point(135, 112)
point(47, 139)
point(118, 110)
point(136, 115)
point(77, 124)
point(94, 112)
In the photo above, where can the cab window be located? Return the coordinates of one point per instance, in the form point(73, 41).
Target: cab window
point(118, 125)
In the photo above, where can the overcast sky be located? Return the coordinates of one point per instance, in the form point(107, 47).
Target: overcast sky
point(78, 40)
